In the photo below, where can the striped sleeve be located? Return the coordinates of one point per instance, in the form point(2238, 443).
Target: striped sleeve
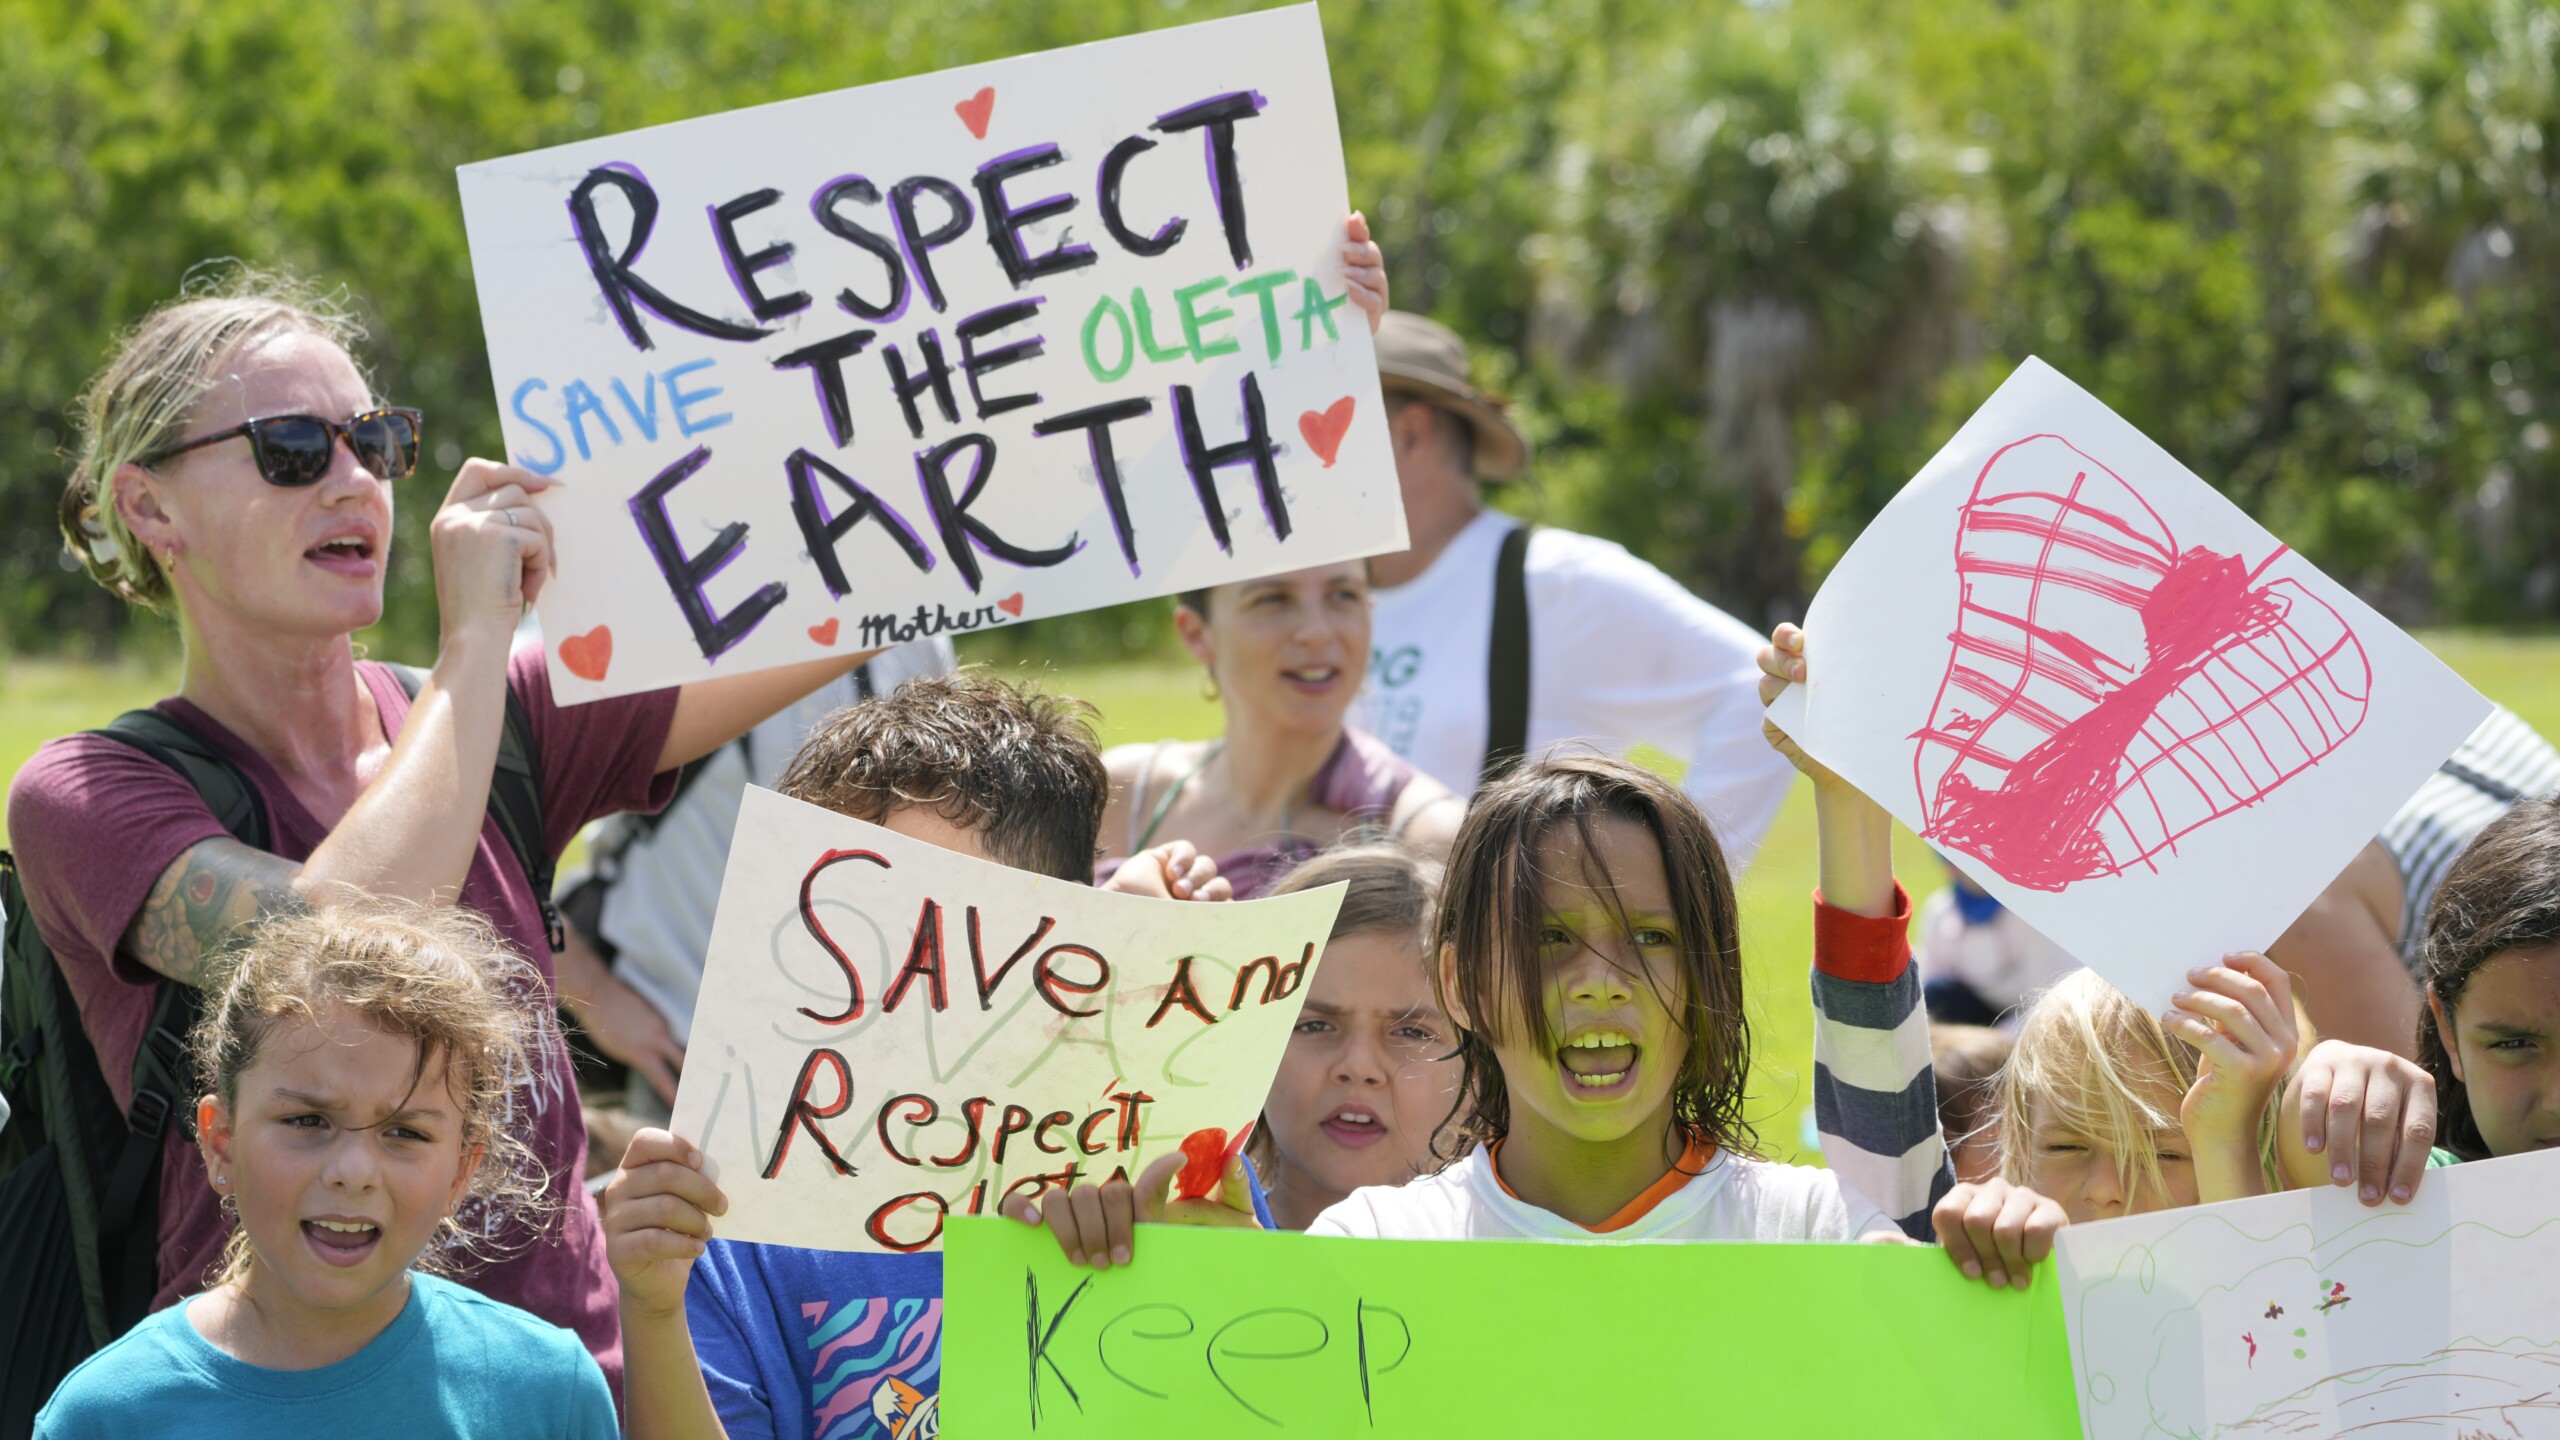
point(2504, 760)
point(1875, 1097)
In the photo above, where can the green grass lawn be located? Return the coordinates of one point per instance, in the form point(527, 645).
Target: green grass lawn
point(40, 699)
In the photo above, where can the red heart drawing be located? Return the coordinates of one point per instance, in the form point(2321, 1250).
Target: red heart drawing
point(1011, 604)
point(1325, 428)
point(824, 634)
point(588, 656)
point(2112, 691)
point(975, 110)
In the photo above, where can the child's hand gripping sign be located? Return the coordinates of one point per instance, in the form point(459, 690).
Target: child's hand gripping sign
point(939, 354)
point(890, 1033)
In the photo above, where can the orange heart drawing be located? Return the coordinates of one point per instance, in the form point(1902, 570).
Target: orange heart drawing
point(975, 110)
point(1325, 428)
point(824, 634)
point(588, 656)
point(1011, 604)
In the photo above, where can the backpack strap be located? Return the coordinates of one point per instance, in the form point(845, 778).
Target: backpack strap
point(1506, 676)
point(515, 798)
point(161, 1080)
point(225, 790)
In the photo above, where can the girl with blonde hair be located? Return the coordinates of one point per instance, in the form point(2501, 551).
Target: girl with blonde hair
point(359, 1070)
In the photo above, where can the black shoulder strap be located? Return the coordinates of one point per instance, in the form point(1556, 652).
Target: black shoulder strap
point(1506, 673)
point(225, 790)
point(161, 1079)
point(515, 798)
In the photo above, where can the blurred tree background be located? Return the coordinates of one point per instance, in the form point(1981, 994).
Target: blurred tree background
point(1742, 266)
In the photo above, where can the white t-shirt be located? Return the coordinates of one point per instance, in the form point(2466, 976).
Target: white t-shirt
point(1733, 1198)
point(1619, 655)
point(658, 913)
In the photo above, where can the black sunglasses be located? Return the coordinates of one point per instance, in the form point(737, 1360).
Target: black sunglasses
point(296, 450)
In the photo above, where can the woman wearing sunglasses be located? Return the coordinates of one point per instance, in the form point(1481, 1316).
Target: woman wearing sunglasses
point(237, 474)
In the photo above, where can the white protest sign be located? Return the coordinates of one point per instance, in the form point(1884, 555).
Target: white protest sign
point(2127, 711)
point(890, 1032)
point(935, 355)
point(2310, 1314)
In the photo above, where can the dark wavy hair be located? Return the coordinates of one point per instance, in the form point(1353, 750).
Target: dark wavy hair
point(2502, 894)
point(1491, 907)
point(1015, 765)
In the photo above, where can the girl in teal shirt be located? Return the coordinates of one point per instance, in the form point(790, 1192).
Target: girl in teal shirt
point(361, 1073)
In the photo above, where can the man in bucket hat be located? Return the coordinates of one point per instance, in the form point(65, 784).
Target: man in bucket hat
point(1493, 640)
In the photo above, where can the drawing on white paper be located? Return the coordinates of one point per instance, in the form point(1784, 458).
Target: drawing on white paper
point(2111, 690)
point(2148, 727)
point(2433, 1319)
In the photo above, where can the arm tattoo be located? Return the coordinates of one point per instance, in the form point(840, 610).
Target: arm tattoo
point(204, 903)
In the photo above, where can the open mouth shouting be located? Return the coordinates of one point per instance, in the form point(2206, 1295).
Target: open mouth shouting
point(341, 1241)
point(350, 553)
point(1598, 1064)
point(1354, 1126)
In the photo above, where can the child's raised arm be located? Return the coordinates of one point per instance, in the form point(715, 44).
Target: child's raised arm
point(1874, 1092)
point(2367, 1117)
point(2239, 1016)
point(657, 1221)
point(1096, 1224)
point(1855, 833)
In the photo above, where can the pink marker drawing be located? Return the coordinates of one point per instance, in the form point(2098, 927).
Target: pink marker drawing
point(2252, 1342)
point(2111, 691)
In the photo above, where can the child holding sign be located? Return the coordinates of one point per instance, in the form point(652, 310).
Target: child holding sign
point(2111, 1112)
point(1588, 953)
point(358, 1069)
point(721, 1332)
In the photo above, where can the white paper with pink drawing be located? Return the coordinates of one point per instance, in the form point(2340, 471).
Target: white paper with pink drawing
point(2123, 707)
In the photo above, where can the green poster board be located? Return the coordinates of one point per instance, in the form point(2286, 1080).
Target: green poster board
point(1220, 1333)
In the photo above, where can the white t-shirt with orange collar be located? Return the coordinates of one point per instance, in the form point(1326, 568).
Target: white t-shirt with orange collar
point(1728, 1197)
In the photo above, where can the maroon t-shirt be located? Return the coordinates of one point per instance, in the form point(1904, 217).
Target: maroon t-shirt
point(95, 822)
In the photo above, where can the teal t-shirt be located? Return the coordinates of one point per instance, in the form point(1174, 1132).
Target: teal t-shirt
point(2439, 1157)
point(456, 1363)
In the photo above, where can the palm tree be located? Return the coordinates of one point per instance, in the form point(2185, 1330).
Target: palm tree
point(1750, 256)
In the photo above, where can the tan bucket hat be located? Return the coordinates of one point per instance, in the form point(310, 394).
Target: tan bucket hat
point(1426, 359)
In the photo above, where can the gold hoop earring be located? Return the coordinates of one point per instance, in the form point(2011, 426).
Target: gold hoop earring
point(1209, 686)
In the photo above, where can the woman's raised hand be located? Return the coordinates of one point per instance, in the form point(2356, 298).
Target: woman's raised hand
point(493, 546)
point(1364, 269)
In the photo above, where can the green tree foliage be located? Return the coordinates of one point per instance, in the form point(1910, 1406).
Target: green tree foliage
point(1741, 266)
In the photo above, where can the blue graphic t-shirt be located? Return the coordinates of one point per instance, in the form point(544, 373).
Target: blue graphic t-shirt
point(819, 1344)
